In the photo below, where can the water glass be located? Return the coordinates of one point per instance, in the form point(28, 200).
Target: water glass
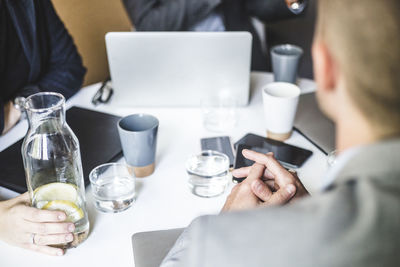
point(219, 112)
point(113, 187)
point(208, 173)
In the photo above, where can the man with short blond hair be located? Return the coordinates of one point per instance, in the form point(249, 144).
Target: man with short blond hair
point(355, 219)
point(364, 41)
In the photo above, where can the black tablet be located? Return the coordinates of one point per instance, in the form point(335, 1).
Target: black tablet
point(99, 143)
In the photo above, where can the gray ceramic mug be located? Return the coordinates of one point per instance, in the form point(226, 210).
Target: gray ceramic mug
point(285, 62)
point(138, 134)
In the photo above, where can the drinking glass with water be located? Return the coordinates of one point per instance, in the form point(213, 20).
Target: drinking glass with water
point(113, 187)
point(208, 173)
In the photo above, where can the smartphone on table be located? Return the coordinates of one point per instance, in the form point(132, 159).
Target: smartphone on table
point(291, 157)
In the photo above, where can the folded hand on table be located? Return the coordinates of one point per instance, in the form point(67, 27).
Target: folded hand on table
point(31, 228)
point(267, 183)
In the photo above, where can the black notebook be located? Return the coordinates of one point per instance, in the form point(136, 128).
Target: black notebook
point(99, 143)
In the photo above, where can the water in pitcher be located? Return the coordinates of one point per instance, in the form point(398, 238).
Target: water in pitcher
point(53, 164)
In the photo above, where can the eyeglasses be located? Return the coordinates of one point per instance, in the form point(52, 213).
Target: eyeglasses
point(104, 94)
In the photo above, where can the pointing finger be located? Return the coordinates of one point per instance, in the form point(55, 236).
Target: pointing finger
point(242, 172)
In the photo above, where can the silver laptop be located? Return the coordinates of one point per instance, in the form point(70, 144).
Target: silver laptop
point(155, 69)
point(150, 248)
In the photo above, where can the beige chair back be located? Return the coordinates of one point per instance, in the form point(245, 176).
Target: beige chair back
point(88, 21)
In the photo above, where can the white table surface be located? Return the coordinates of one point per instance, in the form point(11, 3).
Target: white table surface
point(163, 200)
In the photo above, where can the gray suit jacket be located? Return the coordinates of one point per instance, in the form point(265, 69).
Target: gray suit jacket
point(356, 222)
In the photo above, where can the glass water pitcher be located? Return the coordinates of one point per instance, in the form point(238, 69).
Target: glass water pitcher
point(52, 162)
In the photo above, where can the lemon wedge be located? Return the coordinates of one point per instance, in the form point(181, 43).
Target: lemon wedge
point(73, 212)
point(56, 191)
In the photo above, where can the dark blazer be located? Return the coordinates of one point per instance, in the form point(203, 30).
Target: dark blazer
point(55, 64)
point(180, 15)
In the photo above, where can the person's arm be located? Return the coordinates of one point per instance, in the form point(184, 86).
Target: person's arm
point(172, 15)
point(261, 237)
point(272, 10)
point(2, 116)
point(242, 198)
point(267, 184)
point(9, 116)
point(178, 255)
point(33, 229)
point(64, 72)
point(174, 257)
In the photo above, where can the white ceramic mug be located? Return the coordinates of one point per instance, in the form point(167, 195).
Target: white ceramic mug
point(280, 105)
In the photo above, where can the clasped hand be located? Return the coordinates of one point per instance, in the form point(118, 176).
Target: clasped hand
point(267, 183)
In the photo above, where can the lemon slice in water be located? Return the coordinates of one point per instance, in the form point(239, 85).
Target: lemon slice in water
point(56, 191)
point(73, 212)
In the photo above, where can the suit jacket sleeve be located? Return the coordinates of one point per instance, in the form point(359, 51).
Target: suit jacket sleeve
point(65, 71)
point(168, 15)
point(250, 238)
point(260, 237)
point(179, 255)
point(269, 10)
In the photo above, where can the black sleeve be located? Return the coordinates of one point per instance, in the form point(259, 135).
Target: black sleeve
point(65, 71)
point(168, 15)
point(269, 10)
